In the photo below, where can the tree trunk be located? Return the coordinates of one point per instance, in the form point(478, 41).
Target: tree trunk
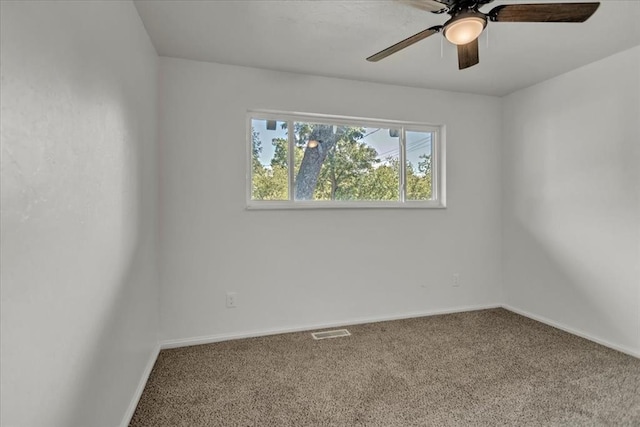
point(314, 157)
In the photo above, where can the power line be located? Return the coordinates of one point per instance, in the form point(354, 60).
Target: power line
point(371, 133)
point(416, 145)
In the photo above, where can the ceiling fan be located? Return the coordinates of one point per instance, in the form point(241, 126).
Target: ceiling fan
point(467, 22)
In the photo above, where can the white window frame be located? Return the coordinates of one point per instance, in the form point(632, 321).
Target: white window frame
point(438, 164)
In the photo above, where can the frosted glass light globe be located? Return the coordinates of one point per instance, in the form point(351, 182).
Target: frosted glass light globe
point(464, 30)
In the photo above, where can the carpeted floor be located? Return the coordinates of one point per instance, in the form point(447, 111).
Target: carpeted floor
point(488, 367)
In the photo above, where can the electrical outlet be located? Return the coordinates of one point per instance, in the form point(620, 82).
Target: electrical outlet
point(232, 299)
point(456, 280)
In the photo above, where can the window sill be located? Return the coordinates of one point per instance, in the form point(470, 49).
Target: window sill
point(287, 205)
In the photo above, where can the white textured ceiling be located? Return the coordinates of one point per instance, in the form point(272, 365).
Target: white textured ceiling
point(333, 38)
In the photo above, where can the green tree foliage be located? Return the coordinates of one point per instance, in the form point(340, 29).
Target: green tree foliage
point(382, 183)
point(269, 183)
point(280, 156)
point(419, 182)
point(349, 169)
point(347, 163)
point(256, 146)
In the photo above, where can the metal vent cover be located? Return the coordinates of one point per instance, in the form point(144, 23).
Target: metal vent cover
point(330, 334)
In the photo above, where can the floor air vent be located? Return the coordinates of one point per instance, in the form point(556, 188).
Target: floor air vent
point(330, 334)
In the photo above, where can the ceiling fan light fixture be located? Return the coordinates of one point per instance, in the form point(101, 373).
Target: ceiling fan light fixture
point(467, 23)
point(465, 29)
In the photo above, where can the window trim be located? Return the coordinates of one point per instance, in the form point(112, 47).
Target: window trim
point(438, 188)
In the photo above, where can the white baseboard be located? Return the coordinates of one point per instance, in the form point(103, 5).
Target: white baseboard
point(208, 339)
point(572, 331)
point(143, 382)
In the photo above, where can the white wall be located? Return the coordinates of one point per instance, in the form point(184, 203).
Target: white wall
point(79, 281)
point(79, 182)
point(297, 268)
point(571, 201)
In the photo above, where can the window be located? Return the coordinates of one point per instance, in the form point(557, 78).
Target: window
point(314, 161)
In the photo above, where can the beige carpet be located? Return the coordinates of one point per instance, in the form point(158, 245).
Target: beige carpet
point(488, 367)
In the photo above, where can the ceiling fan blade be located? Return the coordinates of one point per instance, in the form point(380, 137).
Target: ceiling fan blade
point(432, 6)
point(468, 55)
point(548, 12)
point(404, 43)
